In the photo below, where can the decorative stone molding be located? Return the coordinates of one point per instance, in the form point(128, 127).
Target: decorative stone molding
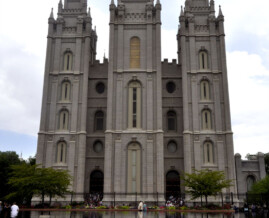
point(201, 28)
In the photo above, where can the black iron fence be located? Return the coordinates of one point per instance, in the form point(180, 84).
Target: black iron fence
point(163, 199)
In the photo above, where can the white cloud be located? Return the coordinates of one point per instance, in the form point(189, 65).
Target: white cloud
point(169, 44)
point(249, 88)
point(101, 21)
point(20, 88)
point(246, 16)
point(22, 58)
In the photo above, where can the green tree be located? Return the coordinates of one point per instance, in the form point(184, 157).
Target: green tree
point(28, 180)
point(24, 182)
point(31, 160)
point(7, 159)
point(261, 187)
point(52, 182)
point(204, 183)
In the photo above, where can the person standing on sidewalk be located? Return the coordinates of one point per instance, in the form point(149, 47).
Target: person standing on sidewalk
point(14, 210)
point(1, 208)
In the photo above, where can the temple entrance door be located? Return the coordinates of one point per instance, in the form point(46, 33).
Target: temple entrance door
point(96, 182)
point(172, 184)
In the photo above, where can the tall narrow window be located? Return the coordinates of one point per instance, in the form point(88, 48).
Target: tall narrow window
point(208, 153)
point(68, 59)
point(135, 52)
point(134, 105)
point(171, 121)
point(205, 93)
point(250, 181)
point(66, 88)
point(206, 120)
point(203, 60)
point(134, 168)
point(64, 118)
point(99, 121)
point(61, 152)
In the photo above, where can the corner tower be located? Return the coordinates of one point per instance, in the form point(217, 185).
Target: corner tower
point(71, 47)
point(134, 135)
point(208, 137)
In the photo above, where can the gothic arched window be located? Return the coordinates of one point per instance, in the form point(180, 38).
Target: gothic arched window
point(171, 121)
point(206, 120)
point(208, 153)
point(134, 168)
point(61, 152)
point(65, 91)
point(134, 107)
point(68, 60)
point(135, 52)
point(64, 120)
point(99, 121)
point(205, 90)
point(203, 60)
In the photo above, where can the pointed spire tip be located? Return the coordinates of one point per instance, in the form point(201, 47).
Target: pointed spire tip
point(181, 12)
point(220, 11)
point(89, 12)
point(51, 13)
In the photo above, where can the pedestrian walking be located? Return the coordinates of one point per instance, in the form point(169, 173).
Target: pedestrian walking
point(1, 207)
point(14, 210)
point(140, 206)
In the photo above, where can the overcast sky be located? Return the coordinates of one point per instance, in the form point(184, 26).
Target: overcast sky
point(23, 31)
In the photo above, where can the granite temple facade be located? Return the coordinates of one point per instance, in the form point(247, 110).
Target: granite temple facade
point(135, 123)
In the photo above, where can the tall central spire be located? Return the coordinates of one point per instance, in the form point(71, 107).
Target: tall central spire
point(198, 3)
point(75, 4)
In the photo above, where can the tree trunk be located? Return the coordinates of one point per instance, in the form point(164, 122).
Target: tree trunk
point(50, 199)
point(43, 198)
point(206, 200)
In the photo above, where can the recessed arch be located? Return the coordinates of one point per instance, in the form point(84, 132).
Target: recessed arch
point(64, 119)
point(250, 182)
point(208, 152)
point(68, 61)
point(172, 183)
point(134, 104)
point(203, 59)
point(97, 181)
point(135, 52)
point(171, 120)
point(65, 90)
point(205, 89)
point(206, 119)
point(61, 152)
point(134, 168)
point(99, 118)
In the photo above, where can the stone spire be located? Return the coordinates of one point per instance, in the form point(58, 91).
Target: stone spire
point(212, 5)
point(112, 2)
point(181, 12)
point(60, 6)
point(89, 12)
point(51, 14)
point(220, 12)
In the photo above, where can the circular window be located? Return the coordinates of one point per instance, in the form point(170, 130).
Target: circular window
point(98, 147)
point(170, 87)
point(172, 147)
point(100, 87)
